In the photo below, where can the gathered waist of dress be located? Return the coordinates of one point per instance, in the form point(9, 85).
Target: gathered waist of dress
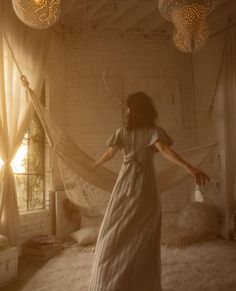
point(133, 161)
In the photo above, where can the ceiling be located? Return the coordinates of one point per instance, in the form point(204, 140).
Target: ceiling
point(126, 15)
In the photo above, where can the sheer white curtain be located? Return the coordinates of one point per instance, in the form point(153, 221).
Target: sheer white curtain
point(226, 127)
point(29, 47)
point(230, 125)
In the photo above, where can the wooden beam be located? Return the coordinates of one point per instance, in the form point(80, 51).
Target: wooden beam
point(94, 9)
point(140, 13)
point(118, 13)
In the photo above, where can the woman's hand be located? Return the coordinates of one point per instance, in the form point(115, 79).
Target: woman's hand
point(200, 177)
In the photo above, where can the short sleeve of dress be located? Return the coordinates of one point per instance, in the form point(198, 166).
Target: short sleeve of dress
point(158, 133)
point(115, 139)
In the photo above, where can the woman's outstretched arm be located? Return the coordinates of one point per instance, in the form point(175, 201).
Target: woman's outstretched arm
point(199, 176)
point(108, 155)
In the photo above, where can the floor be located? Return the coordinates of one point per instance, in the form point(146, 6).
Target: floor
point(209, 266)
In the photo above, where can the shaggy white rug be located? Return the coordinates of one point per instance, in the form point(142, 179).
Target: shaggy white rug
point(207, 266)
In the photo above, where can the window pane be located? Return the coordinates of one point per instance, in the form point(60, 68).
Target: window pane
point(21, 186)
point(36, 157)
point(36, 190)
point(36, 147)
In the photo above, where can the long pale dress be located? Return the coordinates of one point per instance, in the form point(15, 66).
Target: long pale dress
point(127, 255)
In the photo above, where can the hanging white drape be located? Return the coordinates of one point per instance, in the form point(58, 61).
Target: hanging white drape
point(226, 127)
point(229, 106)
point(29, 48)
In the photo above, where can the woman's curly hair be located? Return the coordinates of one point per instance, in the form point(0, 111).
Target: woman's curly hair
point(142, 112)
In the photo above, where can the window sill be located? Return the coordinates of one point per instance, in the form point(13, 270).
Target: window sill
point(36, 211)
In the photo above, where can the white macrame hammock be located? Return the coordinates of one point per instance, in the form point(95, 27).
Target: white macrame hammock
point(90, 190)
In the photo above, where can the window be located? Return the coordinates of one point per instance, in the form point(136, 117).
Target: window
point(28, 167)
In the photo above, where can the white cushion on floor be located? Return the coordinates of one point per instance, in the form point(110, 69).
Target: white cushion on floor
point(86, 236)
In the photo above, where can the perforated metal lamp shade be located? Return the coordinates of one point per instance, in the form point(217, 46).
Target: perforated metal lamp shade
point(190, 20)
point(37, 13)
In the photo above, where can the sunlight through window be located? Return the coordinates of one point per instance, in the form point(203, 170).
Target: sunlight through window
point(18, 164)
point(28, 168)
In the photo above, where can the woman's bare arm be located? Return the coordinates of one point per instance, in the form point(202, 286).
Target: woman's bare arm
point(199, 176)
point(108, 155)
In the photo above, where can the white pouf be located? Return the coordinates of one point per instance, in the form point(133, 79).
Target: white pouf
point(199, 217)
point(197, 222)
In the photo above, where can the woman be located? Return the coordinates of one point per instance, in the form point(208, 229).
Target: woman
point(127, 256)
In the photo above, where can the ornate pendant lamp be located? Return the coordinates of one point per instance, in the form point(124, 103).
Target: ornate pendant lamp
point(190, 20)
point(37, 13)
